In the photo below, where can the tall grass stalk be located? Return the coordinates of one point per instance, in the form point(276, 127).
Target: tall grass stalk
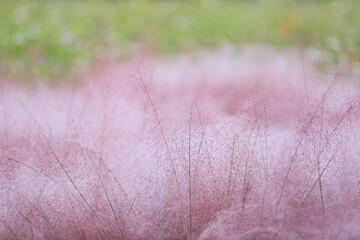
point(245, 184)
point(200, 146)
point(318, 159)
point(231, 169)
point(266, 164)
point(47, 220)
point(108, 198)
point(165, 142)
point(293, 158)
point(312, 187)
point(165, 212)
point(192, 104)
point(76, 188)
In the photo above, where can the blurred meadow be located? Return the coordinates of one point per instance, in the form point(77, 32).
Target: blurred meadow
point(52, 40)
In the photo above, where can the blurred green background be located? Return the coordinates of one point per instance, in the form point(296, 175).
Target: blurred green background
point(43, 39)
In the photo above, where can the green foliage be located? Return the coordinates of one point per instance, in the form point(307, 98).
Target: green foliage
point(53, 38)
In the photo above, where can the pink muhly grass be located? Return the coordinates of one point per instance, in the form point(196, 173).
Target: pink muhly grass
point(211, 146)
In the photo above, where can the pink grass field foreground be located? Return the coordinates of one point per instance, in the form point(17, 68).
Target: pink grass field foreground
point(212, 145)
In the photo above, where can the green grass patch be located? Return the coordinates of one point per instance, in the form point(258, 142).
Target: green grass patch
point(52, 39)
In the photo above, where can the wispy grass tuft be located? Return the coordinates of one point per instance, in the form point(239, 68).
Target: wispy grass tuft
point(137, 159)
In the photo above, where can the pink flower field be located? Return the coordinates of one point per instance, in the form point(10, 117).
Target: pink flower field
point(256, 144)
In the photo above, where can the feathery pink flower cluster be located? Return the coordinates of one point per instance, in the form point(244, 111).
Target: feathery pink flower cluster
point(207, 146)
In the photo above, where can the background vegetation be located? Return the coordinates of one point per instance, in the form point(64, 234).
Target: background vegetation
point(54, 39)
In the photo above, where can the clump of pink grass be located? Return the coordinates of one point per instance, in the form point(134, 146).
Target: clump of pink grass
point(211, 146)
